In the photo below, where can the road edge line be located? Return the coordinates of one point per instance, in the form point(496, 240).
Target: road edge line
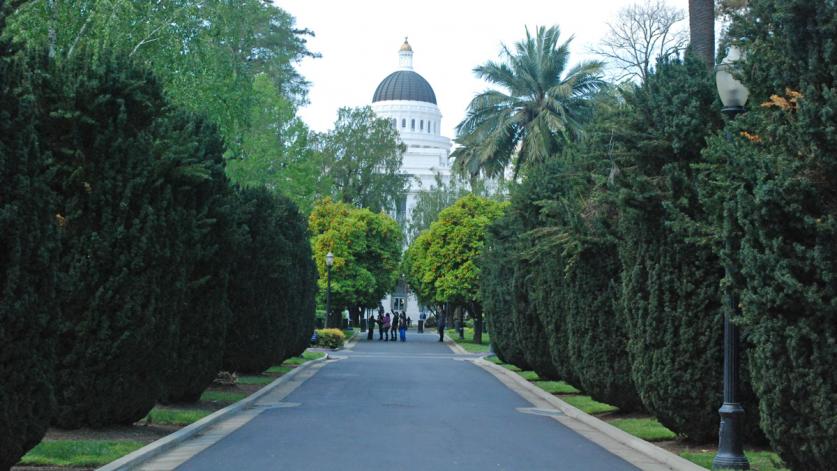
point(635, 443)
point(457, 349)
point(174, 439)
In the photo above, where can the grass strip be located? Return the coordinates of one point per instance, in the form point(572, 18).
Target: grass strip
point(170, 416)
point(648, 429)
point(587, 405)
point(529, 375)
point(78, 453)
point(556, 387)
point(257, 379)
point(468, 344)
point(222, 396)
point(759, 460)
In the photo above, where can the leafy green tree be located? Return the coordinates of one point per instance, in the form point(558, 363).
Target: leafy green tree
point(538, 112)
point(770, 186)
point(276, 152)
point(28, 251)
point(271, 286)
point(207, 54)
point(450, 252)
point(367, 253)
point(361, 160)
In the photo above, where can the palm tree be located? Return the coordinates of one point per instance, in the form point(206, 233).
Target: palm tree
point(536, 114)
point(702, 30)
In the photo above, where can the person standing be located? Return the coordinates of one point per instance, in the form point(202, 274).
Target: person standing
point(441, 328)
point(370, 327)
point(387, 326)
point(422, 318)
point(402, 328)
point(393, 332)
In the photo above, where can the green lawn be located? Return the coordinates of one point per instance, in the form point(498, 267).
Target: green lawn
point(556, 387)
point(588, 405)
point(759, 460)
point(468, 342)
point(529, 375)
point(78, 453)
point(168, 416)
point(648, 429)
point(224, 397)
point(258, 379)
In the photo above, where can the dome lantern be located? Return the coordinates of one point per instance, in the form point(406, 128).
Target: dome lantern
point(405, 56)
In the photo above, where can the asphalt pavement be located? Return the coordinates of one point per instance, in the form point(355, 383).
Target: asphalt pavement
point(403, 406)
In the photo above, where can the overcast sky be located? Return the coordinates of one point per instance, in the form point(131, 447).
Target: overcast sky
point(359, 43)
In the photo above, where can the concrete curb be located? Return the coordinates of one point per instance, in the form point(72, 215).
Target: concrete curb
point(648, 449)
point(451, 343)
point(172, 440)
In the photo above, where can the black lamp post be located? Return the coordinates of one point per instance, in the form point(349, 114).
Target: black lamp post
point(329, 263)
point(730, 450)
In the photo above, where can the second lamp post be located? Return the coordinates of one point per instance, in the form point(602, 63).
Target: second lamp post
point(329, 262)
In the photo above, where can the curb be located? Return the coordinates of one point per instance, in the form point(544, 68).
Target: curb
point(637, 444)
point(451, 343)
point(172, 440)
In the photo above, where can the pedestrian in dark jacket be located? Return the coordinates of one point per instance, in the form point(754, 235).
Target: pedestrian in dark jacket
point(387, 326)
point(370, 327)
point(380, 326)
point(441, 328)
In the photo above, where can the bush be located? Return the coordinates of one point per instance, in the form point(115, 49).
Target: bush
point(119, 269)
point(28, 250)
point(330, 338)
point(781, 177)
point(671, 298)
point(206, 234)
point(270, 299)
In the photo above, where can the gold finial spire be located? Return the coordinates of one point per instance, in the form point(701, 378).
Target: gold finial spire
point(406, 46)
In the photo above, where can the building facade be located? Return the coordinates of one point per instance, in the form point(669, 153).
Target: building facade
point(407, 100)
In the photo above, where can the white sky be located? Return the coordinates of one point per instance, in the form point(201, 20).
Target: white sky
point(359, 41)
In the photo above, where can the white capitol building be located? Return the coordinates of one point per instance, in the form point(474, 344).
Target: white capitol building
point(407, 100)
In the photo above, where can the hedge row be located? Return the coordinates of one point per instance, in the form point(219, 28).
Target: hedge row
point(132, 270)
point(618, 248)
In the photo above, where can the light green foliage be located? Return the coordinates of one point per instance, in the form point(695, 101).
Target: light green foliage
point(366, 248)
point(647, 429)
point(759, 460)
point(535, 114)
point(79, 453)
point(330, 338)
point(361, 161)
point(256, 379)
point(207, 54)
point(275, 150)
point(556, 387)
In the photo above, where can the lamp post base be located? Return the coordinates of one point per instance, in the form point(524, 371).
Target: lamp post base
point(730, 450)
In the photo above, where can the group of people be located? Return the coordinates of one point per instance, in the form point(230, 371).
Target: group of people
point(393, 326)
point(390, 327)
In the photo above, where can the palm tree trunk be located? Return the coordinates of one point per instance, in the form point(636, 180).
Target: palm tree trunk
point(702, 30)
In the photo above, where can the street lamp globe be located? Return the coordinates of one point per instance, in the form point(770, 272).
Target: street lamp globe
point(329, 259)
point(733, 93)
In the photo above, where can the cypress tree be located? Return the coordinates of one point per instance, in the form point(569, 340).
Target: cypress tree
point(117, 271)
point(28, 250)
point(671, 297)
point(269, 307)
point(776, 172)
point(194, 152)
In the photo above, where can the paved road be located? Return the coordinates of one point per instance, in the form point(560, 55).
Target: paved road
point(403, 406)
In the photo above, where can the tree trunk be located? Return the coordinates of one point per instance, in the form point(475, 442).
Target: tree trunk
point(477, 313)
point(702, 30)
point(354, 314)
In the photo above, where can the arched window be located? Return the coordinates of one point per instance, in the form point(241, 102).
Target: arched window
point(429, 127)
point(403, 122)
point(421, 125)
point(413, 125)
point(394, 123)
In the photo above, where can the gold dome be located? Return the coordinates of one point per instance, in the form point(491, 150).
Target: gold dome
point(406, 46)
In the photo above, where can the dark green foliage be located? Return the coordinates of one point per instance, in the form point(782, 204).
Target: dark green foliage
point(781, 182)
point(205, 234)
point(119, 270)
point(671, 297)
point(271, 286)
point(28, 243)
point(497, 269)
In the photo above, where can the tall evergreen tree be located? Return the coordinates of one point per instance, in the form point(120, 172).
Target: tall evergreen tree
point(28, 251)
